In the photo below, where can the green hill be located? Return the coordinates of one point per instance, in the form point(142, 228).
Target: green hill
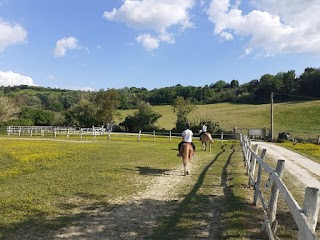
point(297, 118)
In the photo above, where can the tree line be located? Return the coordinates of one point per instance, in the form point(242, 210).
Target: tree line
point(32, 105)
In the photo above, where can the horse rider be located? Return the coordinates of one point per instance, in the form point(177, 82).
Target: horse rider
point(186, 138)
point(203, 129)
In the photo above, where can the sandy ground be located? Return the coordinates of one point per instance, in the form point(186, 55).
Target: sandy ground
point(136, 217)
point(306, 171)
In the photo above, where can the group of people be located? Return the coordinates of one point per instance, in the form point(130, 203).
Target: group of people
point(187, 135)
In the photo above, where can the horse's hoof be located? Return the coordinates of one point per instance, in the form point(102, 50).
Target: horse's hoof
point(187, 172)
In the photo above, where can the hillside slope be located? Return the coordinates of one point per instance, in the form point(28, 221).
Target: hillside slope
point(297, 118)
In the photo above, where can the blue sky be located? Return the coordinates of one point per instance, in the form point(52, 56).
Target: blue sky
point(101, 44)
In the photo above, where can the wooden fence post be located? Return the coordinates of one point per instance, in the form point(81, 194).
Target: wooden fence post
point(109, 134)
point(154, 135)
point(251, 166)
point(221, 137)
point(248, 156)
point(258, 182)
point(139, 135)
point(311, 209)
point(272, 207)
point(170, 136)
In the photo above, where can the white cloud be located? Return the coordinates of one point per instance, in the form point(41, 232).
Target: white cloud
point(11, 35)
point(153, 15)
point(64, 44)
point(274, 27)
point(226, 35)
point(10, 78)
point(148, 42)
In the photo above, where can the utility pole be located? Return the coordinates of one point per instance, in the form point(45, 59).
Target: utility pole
point(271, 118)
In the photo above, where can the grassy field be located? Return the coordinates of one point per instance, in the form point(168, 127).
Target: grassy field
point(297, 118)
point(44, 181)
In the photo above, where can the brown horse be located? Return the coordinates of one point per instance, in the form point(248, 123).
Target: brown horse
point(206, 139)
point(186, 152)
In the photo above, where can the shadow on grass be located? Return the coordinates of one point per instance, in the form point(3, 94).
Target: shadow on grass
point(193, 208)
point(151, 171)
point(240, 214)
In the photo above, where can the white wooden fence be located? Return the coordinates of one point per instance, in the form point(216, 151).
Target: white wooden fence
point(95, 131)
point(54, 131)
point(306, 218)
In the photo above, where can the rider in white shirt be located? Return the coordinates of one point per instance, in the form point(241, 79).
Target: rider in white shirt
point(186, 138)
point(203, 129)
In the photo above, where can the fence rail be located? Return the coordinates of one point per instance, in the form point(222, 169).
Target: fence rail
point(53, 131)
point(306, 218)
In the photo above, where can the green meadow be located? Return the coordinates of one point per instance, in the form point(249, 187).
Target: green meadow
point(45, 181)
point(297, 118)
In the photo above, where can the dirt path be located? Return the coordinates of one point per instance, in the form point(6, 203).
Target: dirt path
point(306, 171)
point(138, 216)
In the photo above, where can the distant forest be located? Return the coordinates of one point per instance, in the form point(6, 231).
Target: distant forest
point(33, 105)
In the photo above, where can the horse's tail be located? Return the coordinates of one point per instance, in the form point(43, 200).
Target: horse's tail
point(210, 137)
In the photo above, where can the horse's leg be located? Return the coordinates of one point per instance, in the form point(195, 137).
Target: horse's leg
point(210, 147)
point(187, 172)
point(185, 162)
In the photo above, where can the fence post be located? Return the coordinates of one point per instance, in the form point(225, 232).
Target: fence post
point(311, 209)
point(248, 155)
point(221, 137)
point(258, 182)
point(154, 135)
point(170, 136)
point(139, 135)
point(109, 134)
point(318, 139)
point(252, 165)
point(272, 207)
point(93, 132)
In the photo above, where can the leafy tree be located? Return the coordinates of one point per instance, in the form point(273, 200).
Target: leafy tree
point(69, 98)
point(310, 82)
point(290, 83)
point(8, 109)
point(107, 103)
point(268, 83)
point(82, 114)
point(143, 119)
point(182, 108)
point(219, 85)
point(25, 99)
point(234, 84)
point(37, 116)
